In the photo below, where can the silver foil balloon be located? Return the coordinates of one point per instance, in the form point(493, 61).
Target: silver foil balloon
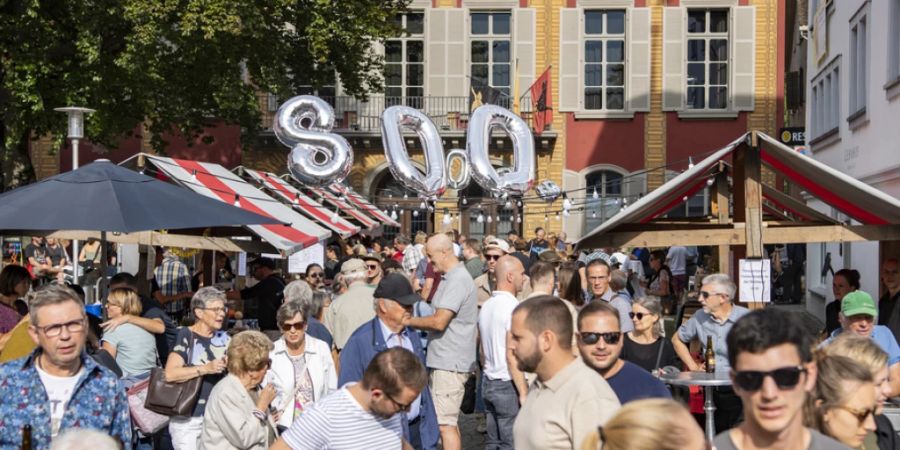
point(461, 180)
point(393, 120)
point(520, 178)
point(548, 190)
point(318, 157)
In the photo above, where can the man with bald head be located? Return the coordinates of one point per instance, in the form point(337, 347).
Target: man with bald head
point(451, 339)
point(503, 385)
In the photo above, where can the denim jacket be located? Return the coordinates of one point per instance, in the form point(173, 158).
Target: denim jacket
point(98, 402)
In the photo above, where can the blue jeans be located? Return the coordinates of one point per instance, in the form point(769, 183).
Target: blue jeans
point(501, 402)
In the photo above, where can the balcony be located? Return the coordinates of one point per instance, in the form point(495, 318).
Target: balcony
point(449, 114)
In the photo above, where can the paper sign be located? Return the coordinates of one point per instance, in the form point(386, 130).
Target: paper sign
point(755, 280)
point(242, 264)
point(314, 254)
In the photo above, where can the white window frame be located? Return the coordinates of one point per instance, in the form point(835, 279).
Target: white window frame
point(404, 39)
point(604, 37)
point(596, 207)
point(708, 36)
point(858, 66)
point(825, 101)
point(491, 37)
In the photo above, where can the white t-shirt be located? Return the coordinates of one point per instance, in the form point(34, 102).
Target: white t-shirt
point(677, 258)
point(494, 322)
point(59, 392)
point(338, 422)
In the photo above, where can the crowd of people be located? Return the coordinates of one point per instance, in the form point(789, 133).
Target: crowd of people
point(385, 346)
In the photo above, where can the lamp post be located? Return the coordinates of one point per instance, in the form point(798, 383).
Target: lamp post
point(76, 131)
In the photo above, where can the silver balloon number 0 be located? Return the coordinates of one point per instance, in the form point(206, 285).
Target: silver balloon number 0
point(318, 157)
point(518, 179)
point(393, 120)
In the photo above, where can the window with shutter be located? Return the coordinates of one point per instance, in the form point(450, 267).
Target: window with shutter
point(490, 54)
point(570, 60)
point(707, 59)
point(404, 62)
point(604, 60)
point(445, 68)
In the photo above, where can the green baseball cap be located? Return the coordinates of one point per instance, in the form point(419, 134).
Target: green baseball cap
point(858, 302)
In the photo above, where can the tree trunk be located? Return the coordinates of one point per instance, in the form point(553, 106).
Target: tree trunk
point(15, 164)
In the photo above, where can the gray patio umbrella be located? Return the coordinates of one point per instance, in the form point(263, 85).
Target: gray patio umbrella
point(104, 197)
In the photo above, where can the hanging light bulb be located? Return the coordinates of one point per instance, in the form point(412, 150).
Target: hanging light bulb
point(422, 205)
point(480, 218)
point(296, 198)
point(415, 213)
point(593, 214)
point(194, 175)
point(710, 181)
point(546, 219)
point(508, 204)
point(237, 200)
point(519, 203)
point(430, 208)
point(394, 215)
point(447, 217)
point(465, 201)
point(557, 217)
point(690, 163)
point(566, 202)
point(518, 218)
point(684, 199)
point(490, 218)
point(335, 217)
point(141, 171)
point(595, 195)
point(405, 196)
point(624, 201)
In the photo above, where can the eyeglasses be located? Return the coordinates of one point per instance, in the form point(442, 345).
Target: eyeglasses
point(785, 378)
point(372, 266)
point(403, 407)
point(861, 415)
point(299, 326)
point(492, 257)
point(611, 338)
point(640, 316)
point(217, 310)
point(315, 275)
point(707, 295)
point(75, 326)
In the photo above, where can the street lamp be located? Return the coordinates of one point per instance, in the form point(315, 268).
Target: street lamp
point(76, 131)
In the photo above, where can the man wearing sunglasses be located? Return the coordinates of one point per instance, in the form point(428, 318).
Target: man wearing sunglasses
point(600, 342)
point(773, 371)
point(715, 320)
point(485, 284)
point(58, 385)
point(569, 399)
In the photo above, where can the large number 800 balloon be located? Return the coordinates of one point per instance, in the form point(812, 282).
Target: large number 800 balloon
point(318, 157)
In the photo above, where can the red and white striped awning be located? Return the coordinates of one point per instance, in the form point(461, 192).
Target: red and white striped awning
point(315, 210)
point(366, 220)
point(360, 202)
point(215, 181)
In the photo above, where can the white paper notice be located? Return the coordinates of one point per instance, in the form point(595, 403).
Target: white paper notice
point(242, 264)
point(315, 254)
point(755, 280)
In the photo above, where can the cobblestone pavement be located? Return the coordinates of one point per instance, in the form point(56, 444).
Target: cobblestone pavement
point(471, 438)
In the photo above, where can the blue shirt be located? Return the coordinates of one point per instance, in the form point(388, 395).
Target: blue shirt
point(703, 324)
point(98, 402)
point(318, 330)
point(403, 339)
point(883, 336)
point(634, 383)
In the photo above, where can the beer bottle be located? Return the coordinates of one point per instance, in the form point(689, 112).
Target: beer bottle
point(26, 437)
point(710, 356)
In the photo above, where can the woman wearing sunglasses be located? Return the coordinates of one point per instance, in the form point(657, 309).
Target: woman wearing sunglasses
point(844, 402)
point(237, 411)
point(644, 345)
point(871, 356)
point(302, 369)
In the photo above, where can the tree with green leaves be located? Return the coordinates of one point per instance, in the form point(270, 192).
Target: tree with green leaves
point(173, 64)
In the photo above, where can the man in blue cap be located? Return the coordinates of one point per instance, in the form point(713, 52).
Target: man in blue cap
point(394, 301)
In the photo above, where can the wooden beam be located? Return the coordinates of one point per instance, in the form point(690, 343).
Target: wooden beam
point(796, 205)
point(721, 210)
point(830, 233)
point(753, 208)
point(668, 238)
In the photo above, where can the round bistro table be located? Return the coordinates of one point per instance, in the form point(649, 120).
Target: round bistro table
point(708, 381)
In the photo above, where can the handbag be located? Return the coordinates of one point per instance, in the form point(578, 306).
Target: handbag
point(147, 421)
point(173, 399)
point(468, 401)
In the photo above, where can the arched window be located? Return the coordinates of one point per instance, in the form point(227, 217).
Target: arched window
point(608, 186)
point(389, 192)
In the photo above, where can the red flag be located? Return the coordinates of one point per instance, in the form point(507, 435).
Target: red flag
point(541, 102)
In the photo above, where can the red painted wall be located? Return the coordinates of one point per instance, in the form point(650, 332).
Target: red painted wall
point(593, 141)
point(697, 138)
point(88, 152)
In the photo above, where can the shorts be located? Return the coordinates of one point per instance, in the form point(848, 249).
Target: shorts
point(447, 391)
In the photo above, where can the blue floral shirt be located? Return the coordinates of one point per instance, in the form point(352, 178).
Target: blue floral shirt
point(98, 402)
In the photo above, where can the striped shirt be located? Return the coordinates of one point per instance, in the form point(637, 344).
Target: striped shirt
point(338, 422)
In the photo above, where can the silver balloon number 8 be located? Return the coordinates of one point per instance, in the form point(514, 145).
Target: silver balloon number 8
point(318, 157)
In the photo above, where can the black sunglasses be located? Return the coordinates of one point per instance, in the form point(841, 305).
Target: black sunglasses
point(784, 378)
point(299, 326)
point(492, 257)
point(706, 295)
point(640, 316)
point(315, 275)
point(611, 338)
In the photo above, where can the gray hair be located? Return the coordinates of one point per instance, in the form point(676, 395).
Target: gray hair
point(288, 310)
point(354, 277)
point(618, 279)
point(401, 239)
point(205, 295)
point(654, 305)
point(298, 291)
point(52, 294)
point(724, 281)
point(83, 438)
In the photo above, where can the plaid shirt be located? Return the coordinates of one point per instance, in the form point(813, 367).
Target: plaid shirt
point(98, 402)
point(411, 257)
point(173, 277)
